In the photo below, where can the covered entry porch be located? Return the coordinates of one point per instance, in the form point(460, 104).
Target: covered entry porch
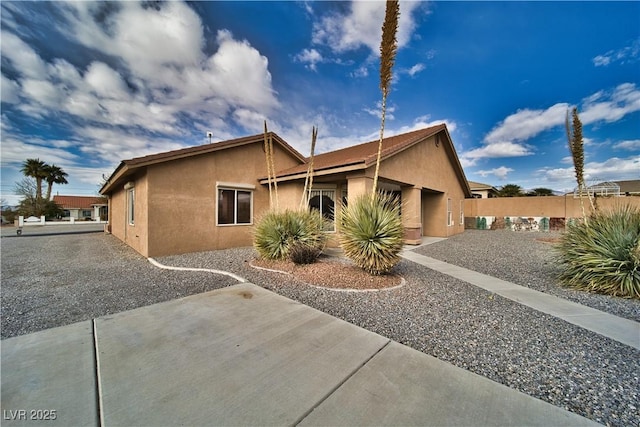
point(424, 211)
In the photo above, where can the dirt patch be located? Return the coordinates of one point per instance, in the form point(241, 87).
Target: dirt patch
point(333, 274)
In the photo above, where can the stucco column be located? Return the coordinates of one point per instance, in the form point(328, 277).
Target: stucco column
point(358, 185)
point(411, 214)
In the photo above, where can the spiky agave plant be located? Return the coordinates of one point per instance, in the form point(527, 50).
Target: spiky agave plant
point(276, 232)
point(603, 257)
point(372, 234)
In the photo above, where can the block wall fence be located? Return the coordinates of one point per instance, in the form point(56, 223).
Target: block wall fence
point(550, 213)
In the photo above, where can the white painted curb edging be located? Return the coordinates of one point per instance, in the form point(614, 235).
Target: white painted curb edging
point(206, 270)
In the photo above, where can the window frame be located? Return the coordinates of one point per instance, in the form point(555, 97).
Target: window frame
point(131, 202)
point(462, 212)
point(236, 188)
point(450, 221)
point(334, 190)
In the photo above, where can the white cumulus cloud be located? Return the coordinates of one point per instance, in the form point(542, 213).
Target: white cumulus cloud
point(611, 106)
point(415, 69)
point(527, 123)
point(500, 172)
point(612, 169)
point(631, 145)
point(496, 150)
point(361, 26)
point(310, 57)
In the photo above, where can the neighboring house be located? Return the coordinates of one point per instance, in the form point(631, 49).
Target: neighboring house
point(208, 197)
point(482, 191)
point(613, 188)
point(629, 188)
point(82, 207)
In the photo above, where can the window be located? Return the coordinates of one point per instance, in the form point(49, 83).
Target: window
point(449, 213)
point(234, 206)
point(324, 202)
point(131, 199)
point(461, 212)
point(86, 213)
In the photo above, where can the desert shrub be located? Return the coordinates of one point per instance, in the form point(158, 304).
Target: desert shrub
point(371, 232)
point(301, 253)
point(603, 254)
point(277, 232)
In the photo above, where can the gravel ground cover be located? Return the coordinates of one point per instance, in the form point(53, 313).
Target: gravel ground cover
point(50, 281)
point(471, 328)
point(500, 339)
point(523, 258)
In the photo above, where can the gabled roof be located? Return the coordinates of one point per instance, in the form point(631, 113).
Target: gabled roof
point(631, 186)
point(364, 155)
point(477, 186)
point(127, 167)
point(356, 157)
point(78, 202)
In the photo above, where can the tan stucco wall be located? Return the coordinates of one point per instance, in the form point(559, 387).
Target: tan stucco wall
point(289, 195)
point(551, 206)
point(133, 235)
point(183, 199)
point(428, 166)
point(176, 201)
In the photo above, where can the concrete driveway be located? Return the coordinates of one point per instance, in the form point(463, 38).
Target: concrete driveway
point(243, 355)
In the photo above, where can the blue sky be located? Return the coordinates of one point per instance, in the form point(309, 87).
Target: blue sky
point(87, 84)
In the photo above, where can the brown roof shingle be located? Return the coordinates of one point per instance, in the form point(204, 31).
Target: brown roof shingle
point(127, 167)
point(206, 148)
point(366, 153)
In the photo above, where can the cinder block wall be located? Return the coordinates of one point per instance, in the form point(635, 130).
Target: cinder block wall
point(558, 209)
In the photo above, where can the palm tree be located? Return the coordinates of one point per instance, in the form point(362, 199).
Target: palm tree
point(510, 190)
point(37, 169)
point(540, 192)
point(55, 175)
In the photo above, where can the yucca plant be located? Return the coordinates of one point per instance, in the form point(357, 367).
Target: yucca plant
point(301, 253)
point(388, 48)
point(576, 147)
point(372, 234)
point(276, 233)
point(603, 256)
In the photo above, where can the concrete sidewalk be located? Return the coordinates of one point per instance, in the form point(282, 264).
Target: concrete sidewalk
point(245, 356)
point(617, 328)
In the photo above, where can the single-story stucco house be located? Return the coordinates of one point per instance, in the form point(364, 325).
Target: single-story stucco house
point(82, 207)
point(482, 191)
point(209, 196)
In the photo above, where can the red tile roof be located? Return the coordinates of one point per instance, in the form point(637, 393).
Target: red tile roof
point(78, 202)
